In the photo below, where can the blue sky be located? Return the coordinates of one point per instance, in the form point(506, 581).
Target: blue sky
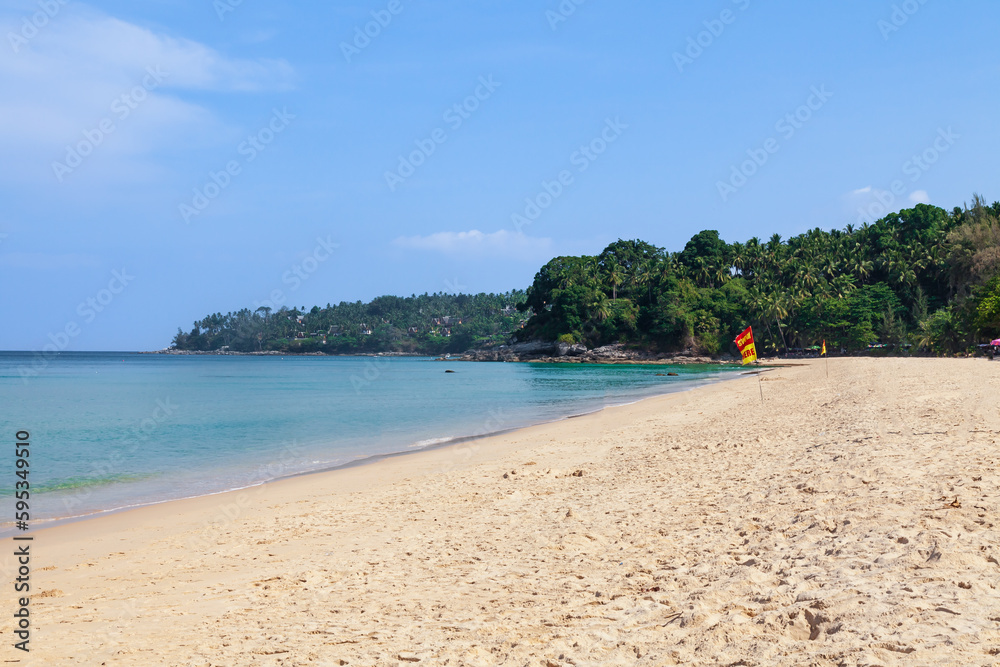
point(218, 156)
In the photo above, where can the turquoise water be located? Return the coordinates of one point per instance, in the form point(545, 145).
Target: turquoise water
point(113, 430)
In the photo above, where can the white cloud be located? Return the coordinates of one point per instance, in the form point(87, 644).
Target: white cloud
point(475, 243)
point(70, 76)
point(862, 196)
point(869, 204)
point(105, 48)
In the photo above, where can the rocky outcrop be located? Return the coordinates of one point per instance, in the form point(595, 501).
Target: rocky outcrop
point(565, 349)
point(516, 352)
point(542, 352)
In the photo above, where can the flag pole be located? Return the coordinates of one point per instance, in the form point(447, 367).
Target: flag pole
point(748, 350)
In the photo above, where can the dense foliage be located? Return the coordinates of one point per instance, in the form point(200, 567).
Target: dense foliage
point(426, 324)
point(923, 279)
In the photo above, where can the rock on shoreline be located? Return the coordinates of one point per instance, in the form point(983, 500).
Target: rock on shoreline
point(545, 352)
point(534, 351)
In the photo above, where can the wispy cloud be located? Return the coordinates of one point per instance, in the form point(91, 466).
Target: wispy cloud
point(106, 48)
point(474, 243)
point(74, 72)
point(869, 204)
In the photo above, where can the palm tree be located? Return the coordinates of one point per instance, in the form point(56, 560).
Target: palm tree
point(649, 268)
point(602, 307)
point(941, 330)
point(703, 272)
point(615, 276)
point(739, 257)
point(665, 268)
point(822, 289)
point(593, 270)
point(723, 274)
point(640, 276)
point(842, 285)
point(753, 253)
point(777, 307)
point(863, 267)
point(774, 243)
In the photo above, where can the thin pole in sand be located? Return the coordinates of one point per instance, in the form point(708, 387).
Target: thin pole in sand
point(760, 386)
point(827, 355)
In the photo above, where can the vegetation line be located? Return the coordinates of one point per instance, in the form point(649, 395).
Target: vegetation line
point(923, 279)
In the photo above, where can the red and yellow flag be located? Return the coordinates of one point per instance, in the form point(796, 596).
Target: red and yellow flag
point(823, 352)
point(746, 346)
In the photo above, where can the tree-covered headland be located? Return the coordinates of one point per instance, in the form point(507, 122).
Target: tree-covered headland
point(424, 324)
point(922, 280)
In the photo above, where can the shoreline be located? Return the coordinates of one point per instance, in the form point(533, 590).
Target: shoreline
point(201, 513)
point(452, 442)
point(678, 359)
point(846, 519)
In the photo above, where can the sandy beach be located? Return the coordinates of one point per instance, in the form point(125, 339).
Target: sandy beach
point(846, 520)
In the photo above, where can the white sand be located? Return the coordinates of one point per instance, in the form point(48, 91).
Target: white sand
point(847, 521)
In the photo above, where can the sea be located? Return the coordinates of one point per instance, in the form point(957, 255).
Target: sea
point(115, 430)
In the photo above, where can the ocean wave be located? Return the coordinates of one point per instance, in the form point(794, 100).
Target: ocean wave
point(430, 442)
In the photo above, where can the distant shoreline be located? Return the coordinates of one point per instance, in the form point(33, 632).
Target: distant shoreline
point(276, 353)
point(679, 359)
